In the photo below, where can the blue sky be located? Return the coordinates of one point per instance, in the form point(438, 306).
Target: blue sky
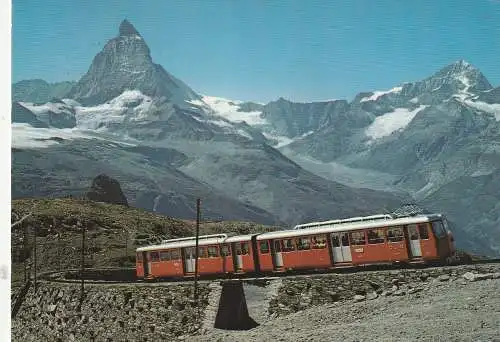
point(260, 50)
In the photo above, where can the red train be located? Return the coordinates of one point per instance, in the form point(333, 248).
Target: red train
point(318, 245)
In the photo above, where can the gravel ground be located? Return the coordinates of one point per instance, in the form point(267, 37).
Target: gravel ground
point(450, 311)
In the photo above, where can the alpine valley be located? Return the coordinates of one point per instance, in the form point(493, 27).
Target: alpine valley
point(435, 142)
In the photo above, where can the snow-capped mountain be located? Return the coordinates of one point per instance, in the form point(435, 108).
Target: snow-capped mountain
point(125, 63)
point(167, 146)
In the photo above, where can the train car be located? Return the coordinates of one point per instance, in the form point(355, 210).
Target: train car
point(176, 257)
point(285, 250)
point(318, 245)
point(359, 241)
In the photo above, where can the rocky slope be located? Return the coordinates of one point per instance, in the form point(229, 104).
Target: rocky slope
point(167, 145)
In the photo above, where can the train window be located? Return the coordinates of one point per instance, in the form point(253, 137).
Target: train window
point(139, 256)
point(395, 234)
point(318, 242)
point(412, 232)
point(358, 238)
point(225, 250)
point(376, 236)
point(303, 244)
point(335, 241)
point(174, 254)
point(244, 248)
point(165, 255)
point(438, 229)
point(264, 247)
point(345, 239)
point(288, 245)
point(423, 232)
point(154, 256)
point(202, 252)
point(213, 252)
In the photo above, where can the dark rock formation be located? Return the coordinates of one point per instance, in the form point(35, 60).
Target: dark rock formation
point(106, 189)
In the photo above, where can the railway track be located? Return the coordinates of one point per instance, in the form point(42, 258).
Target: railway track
point(59, 276)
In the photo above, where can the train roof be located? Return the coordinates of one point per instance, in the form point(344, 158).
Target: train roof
point(327, 227)
point(347, 220)
point(323, 227)
point(240, 238)
point(191, 242)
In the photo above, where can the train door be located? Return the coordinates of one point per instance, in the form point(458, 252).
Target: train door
point(413, 241)
point(276, 251)
point(189, 259)
point(341, 248)
point(237, 257)
point(336, 248)
point(146, 264)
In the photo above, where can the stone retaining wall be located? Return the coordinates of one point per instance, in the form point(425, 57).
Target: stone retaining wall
point(108, 313)
point(297, 294)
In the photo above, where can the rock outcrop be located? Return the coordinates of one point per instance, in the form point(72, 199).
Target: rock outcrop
point(106, 189)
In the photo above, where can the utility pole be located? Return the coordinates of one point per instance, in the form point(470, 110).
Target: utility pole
point(83, 262)
point(34, 252)
point(25, 253)
point(126, 245)
point(196, 252)
point(59, 250)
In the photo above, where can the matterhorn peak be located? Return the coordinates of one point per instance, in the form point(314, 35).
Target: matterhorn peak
point(125, 64)
point(127, 29)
